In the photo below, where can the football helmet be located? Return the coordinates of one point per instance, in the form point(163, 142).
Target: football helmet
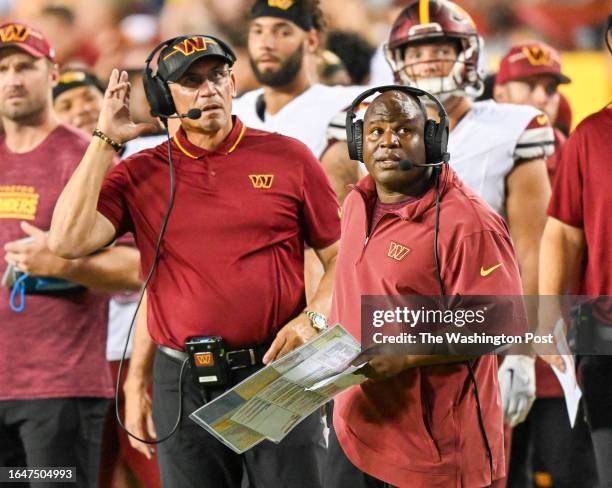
point(437, 20)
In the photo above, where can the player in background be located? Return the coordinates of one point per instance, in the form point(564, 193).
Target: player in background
point(546, 450)
point(530, 74)
point(281, 43)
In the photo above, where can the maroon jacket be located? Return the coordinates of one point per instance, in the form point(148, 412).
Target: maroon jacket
point(420, 428)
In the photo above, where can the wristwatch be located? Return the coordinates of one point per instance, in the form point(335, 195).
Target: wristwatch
point(318, 320)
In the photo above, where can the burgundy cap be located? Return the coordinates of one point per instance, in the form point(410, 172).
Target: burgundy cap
point(23, 36)
point(532, 58)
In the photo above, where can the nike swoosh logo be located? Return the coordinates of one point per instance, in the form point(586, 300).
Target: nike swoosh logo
point(487, 272)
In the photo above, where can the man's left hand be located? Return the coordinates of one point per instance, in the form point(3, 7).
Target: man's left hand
point(34, 257)
point(384, 367)
point(291, 336)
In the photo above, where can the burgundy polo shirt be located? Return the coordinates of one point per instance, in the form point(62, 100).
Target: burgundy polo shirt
point(420, 428)
point(582, 198)
point(232, 258)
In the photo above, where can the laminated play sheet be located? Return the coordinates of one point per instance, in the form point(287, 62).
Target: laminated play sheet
point(271, 402)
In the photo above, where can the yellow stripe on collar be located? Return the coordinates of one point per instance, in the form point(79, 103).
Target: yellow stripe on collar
point(240, 136)
point(183, 150)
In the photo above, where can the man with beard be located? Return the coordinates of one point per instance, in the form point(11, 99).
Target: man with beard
point(281, 42)
point(54, 379)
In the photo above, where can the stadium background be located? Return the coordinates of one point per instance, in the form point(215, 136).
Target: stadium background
point(103, 34)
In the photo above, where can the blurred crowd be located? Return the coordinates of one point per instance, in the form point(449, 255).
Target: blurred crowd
point(105, 34)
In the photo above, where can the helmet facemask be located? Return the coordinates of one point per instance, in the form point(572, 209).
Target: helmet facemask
point(462, 79)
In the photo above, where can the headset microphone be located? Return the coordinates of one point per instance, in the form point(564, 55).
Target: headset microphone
point(407, 165)
point(194, 114)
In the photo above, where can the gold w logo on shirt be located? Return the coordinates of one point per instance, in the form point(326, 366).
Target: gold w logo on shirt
point(191, 45)
point(397, 251)
point(262, 181)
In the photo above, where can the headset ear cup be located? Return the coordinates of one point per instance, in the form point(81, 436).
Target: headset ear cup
point(149, 88)
point(431, 151)
point(442, 138)
point(166, 103)
point(358, 140)
point(350, 137)
point(159, 97)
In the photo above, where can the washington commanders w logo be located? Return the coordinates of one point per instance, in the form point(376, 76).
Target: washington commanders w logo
point(397, 251)
point(262, 181)
point(537, 56)
point(192, 45)
point(14, 33)
point(204, 359)
point(282, 4)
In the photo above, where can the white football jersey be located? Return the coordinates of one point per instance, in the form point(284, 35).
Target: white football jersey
point(305, 118)
point(487, 142)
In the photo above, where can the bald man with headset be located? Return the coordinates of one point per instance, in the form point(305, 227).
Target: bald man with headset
point(395, 428)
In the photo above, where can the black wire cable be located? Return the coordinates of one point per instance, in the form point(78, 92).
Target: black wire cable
point(162, 231)
point(443, 293)
point(436, 232)
point(481, 420)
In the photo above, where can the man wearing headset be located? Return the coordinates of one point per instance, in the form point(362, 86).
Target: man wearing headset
point(416, 422)
point(498, 150)
point(230, 263)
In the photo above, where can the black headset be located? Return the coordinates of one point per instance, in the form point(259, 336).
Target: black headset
point(435, 136)
point(156, 88)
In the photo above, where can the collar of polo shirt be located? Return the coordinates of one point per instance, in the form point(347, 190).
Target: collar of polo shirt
point(228, 146)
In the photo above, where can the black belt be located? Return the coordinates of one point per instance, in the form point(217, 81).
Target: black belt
point(236, 359)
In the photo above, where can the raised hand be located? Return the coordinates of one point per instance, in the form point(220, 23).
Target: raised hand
point(114, 120)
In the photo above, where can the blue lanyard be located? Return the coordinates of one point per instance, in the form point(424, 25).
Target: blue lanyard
point(18, 290)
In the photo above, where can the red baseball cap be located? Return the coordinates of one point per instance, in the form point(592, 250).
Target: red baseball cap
point(23, 36)
point(531, 58)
